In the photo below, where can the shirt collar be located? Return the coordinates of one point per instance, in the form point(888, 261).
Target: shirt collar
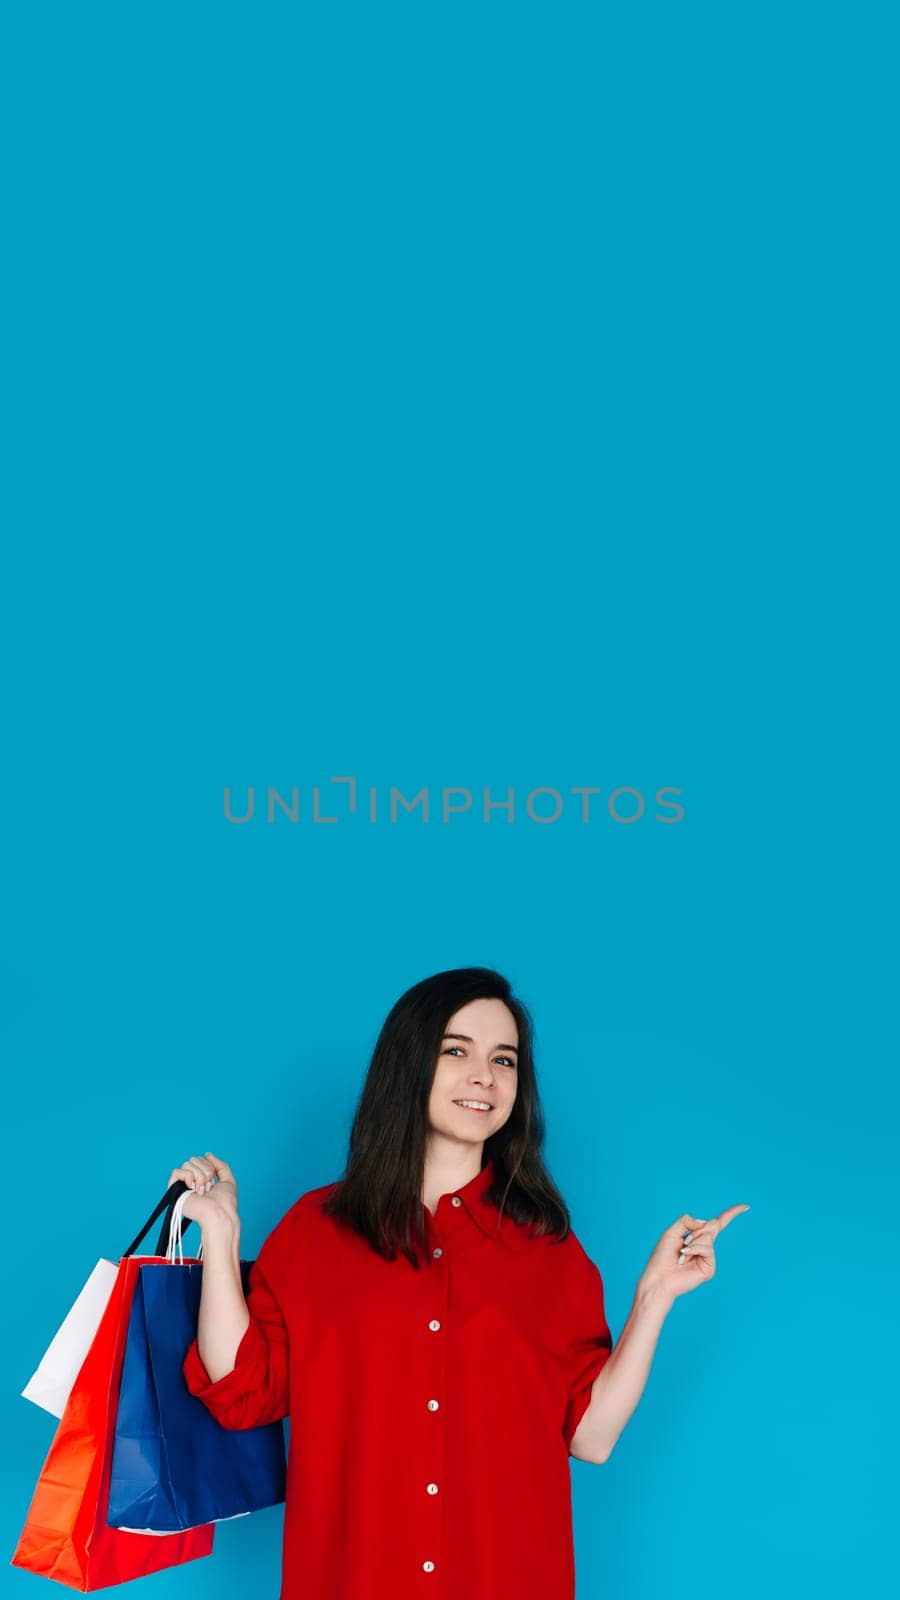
point(502, 1229)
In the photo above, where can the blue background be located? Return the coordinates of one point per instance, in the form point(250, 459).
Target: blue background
point(493, 397)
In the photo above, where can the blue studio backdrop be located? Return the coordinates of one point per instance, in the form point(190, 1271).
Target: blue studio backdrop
point(484, 405)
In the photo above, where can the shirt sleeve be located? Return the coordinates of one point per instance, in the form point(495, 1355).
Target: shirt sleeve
point(588, 1351)
point(256, 1390)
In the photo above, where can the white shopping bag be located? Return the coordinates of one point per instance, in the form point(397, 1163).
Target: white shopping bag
point(62, 1361)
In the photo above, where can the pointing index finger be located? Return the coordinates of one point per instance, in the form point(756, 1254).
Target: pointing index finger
point(725, 1217)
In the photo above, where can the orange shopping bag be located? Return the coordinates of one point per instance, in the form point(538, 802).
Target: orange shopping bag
point(66, 1536)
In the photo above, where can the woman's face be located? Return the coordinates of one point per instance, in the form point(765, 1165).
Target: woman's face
point(479, 1064)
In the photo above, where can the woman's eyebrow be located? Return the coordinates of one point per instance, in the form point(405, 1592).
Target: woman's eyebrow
point(465, 1036)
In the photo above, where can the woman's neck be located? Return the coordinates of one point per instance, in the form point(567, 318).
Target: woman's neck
point(447, 1169)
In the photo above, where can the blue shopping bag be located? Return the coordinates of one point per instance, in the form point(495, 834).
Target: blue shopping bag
point(174, 1466)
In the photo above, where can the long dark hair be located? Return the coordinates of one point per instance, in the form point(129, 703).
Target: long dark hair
point(379, 1194)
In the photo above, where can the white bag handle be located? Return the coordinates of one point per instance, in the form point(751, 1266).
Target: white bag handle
point(175, 1232)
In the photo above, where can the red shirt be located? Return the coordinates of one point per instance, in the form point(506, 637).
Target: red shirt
point(431, 1411)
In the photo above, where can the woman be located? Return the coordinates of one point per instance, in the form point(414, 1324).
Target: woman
point(431, 1323)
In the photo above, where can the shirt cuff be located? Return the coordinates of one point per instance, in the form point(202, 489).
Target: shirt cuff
point(234, 1384)
point(576, 1411)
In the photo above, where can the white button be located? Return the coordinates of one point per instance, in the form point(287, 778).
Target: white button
point(433, 1405)
point(427, 1566)
point(456, 1201)
point(434, 1326)
point(437, 1252)
point(432, 1488)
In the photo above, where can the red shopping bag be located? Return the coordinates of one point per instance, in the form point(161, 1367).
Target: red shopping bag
point(66, 1536)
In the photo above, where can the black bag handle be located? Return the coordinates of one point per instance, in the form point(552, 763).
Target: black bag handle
point(166, 1203)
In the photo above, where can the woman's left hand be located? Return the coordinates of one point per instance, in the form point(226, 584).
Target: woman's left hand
point(679, 1265)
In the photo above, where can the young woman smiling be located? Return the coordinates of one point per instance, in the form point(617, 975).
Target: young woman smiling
point(431, 1323)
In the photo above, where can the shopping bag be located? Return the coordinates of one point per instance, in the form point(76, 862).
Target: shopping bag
point(66, 1536)
point(173, 1465)
point(51, 1383)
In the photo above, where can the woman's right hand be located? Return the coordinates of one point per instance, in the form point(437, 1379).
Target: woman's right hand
point(215, 1196)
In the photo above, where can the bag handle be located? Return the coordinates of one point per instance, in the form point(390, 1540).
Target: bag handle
point(177, 1221)
point(168, 1200)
